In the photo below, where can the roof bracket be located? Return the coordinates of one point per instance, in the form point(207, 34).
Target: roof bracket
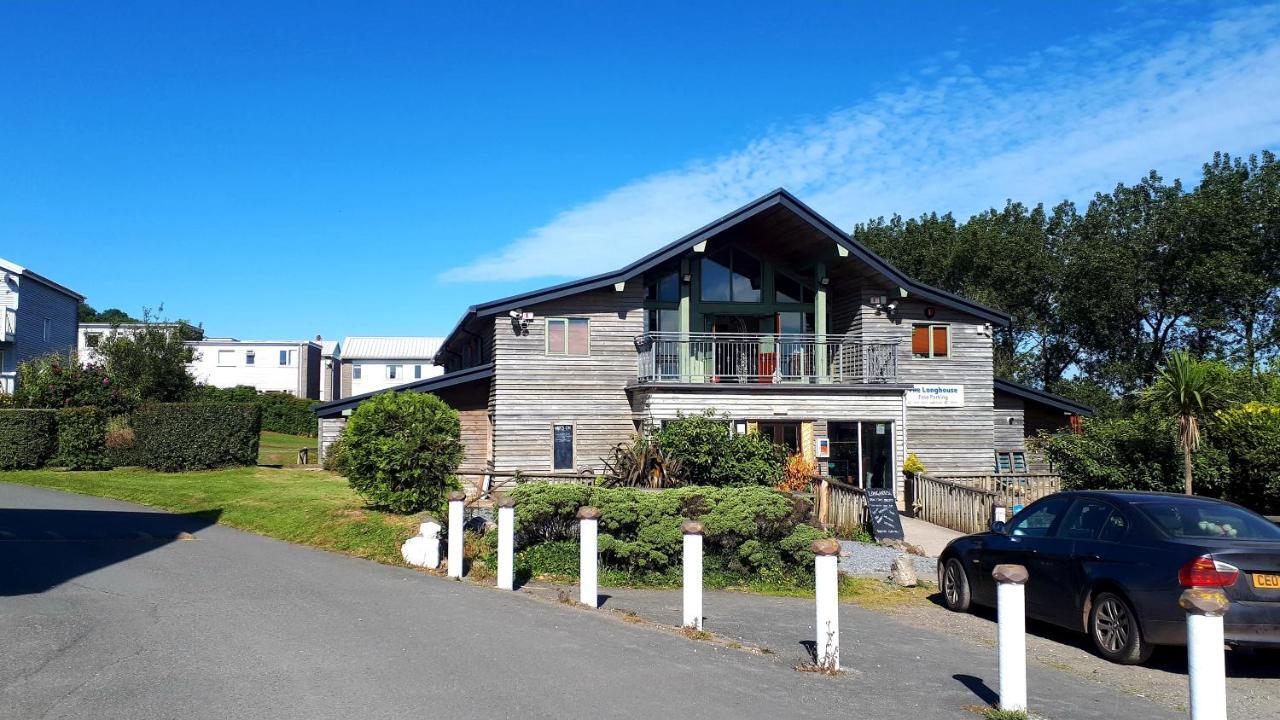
point(902, 292)
point(841, 250)
point(620, 286)
point(700, 247)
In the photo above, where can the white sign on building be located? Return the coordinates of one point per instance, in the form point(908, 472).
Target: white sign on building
point(935, 396)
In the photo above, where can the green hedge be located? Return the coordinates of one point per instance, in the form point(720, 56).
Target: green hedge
point(753, 530)
point(82, 439)
point(281, 412)
point(197, 436)
point(28, 438)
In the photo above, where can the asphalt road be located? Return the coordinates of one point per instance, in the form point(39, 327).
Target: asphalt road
point(106, 613)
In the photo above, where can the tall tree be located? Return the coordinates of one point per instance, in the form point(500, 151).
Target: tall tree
point(1188, 388)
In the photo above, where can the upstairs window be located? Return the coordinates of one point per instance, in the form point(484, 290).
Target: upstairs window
point(47, 331)
point(226, 358)
point(568, 336)
point(249, 357)
point(730, 276)
point(393, 372)
point(789, 290)
point(417, 372)
point(930, 341)
point(92, 339)
point(355, 372)
point(664, 288)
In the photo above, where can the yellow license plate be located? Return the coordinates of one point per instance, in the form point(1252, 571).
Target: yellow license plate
point(1266, 581)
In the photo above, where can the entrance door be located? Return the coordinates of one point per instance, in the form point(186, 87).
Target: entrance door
point(877, 455)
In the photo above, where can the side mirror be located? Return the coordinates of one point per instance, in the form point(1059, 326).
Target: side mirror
point(997, 527)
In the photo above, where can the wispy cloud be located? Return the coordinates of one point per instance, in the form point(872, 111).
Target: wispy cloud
point(1061, 123)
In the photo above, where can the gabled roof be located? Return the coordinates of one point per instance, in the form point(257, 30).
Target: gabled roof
point(21, 271)
point(390, 348)
point(330, 348)
point(439, 382)
point(777, 198)
point(1048, 399)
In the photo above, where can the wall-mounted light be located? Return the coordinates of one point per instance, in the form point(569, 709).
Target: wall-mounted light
point(824, 281)
point(686, 278)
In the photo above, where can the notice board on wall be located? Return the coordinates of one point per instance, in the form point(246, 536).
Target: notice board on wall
point(562, 447)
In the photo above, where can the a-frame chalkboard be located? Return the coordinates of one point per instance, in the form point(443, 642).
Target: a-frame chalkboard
point(882, 506)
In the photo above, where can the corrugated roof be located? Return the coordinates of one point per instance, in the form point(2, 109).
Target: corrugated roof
point(390, 348)
point(328, 348)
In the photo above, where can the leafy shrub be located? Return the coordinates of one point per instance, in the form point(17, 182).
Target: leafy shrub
point(704, 450)
point(56, 381)
point(28, 438)
point(747, 530)
point(281, 412)
point(401, 450)
point(333, 456)
point(82, 439)
point(913, 466)
point(641, 462)
point(798, 475)
point(197, 436)
point(151, 361)
point(122, 447)
point(1249, 436)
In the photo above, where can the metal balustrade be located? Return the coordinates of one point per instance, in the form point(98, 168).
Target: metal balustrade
point(764, 358)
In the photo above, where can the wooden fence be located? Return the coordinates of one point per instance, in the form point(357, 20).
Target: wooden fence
point(965, 502)
point(840, 507)
point(1010, 490)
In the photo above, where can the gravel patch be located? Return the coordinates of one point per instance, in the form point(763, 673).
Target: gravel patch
point(872, 560)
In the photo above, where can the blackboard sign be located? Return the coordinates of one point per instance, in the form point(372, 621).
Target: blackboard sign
point(562, 451)
point(882, 505)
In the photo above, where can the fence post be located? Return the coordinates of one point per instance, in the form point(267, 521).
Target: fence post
point(1206, 663)
point(1011, 614)
point(589, 593)
point(506, 542)
point(827, 594)
point(824, 503)
point(692, 574)
point(455, 533)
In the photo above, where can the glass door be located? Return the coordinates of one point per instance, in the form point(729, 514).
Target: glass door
point(843, 459)
point(877, 455)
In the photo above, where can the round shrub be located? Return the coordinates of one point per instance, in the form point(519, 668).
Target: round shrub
point(400, 450)
point(28, 438)
point(82, 439)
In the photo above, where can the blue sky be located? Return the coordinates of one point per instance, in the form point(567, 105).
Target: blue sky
point(280, 170)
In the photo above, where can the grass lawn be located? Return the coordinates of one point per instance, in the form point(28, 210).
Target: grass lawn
point(279, 449)
point(307, 506)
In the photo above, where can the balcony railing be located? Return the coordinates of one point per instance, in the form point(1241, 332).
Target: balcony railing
point(764, 358)
point(10, 323)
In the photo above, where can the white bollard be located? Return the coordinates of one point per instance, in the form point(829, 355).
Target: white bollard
point(455, 533)
point(589, 593)
point(826, 588)
point(692, 574)
point(1206, 660)
point(506, 542)
point(1011, 614)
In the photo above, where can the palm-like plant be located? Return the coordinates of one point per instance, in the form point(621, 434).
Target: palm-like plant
point(1187, 388)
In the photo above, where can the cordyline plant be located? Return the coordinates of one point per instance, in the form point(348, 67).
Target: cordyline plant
point(1187, 388)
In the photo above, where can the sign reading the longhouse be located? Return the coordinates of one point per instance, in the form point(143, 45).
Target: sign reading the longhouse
point(935, 396)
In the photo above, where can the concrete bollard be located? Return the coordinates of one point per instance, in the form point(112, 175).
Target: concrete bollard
point(1206, 661)
point(456, 499)
point(692, 574)
point(589, 592)
point(1011, 614)
point(826, 588)
point(506, 543)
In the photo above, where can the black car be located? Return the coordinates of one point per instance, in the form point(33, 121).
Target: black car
point(1113, 563)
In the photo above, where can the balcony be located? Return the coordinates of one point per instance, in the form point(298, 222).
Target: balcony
point(764, 359)
point(9, 319)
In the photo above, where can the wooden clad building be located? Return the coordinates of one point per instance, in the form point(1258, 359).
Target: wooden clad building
point(770, 315)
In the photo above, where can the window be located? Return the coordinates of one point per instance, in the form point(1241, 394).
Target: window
point(930, 341)
point(92, 339)
point(1011, 461)
point(393, 372)
point(662, 321)
point(47, 330)
point(1086, 520)
point(417, 372)
point(249, 357)
point(790, 290)
point(562, 447)
point(1039, 519)
point(226, 358)
point(355, 372)
point(730, 276)
point(665, 288)
point(568, 336)
point(1196, 518)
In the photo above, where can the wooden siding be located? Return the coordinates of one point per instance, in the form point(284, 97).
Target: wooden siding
point(946, 439)
point(1008, 435)
point(328, 431)
point(533, 390)
point(345, 383)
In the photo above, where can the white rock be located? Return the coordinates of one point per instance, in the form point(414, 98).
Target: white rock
point(422, 551)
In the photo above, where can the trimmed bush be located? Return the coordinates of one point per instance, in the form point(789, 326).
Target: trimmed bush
point(705, 451)
point(196, 436)
point(82, 439)
point(122, 446)
point(400, 450)
point(281, 412)
point(747, 529)
point(28, 438)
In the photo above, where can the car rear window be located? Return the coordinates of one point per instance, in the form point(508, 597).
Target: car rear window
point(1193, 518)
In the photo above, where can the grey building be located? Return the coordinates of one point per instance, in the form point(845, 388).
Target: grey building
point(37, 317)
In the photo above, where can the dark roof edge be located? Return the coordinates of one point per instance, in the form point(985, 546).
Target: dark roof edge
point(439, 382)
point(1042, 397)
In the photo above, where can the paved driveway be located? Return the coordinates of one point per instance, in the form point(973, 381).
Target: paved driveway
point(106, 613)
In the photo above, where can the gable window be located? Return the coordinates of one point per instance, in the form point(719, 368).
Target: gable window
point(417, 372)
point(930, 341)
point(731, 276)
point(664, 288)
point(789, 290)
point(393, 372)
point(249, 357)
point(226, 358)
point(568, 336)
point(355, 372)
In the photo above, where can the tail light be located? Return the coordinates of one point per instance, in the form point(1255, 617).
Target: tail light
point(1204, 571)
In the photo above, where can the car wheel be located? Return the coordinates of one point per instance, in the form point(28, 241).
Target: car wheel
point(954, 585)
point(1113, 627)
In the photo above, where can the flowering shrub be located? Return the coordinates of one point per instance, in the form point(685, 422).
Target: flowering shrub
point(55, 382)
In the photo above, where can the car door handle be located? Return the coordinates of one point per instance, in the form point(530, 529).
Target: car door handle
point(1088, 556)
